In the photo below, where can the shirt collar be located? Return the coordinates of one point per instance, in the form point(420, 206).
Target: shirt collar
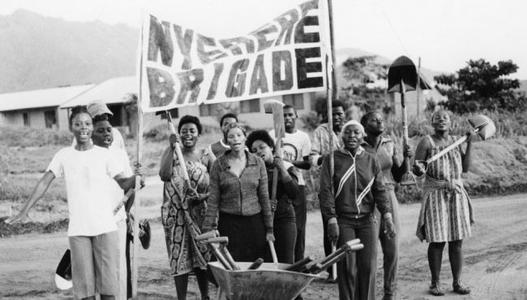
point(251, 159)
point(360, 150)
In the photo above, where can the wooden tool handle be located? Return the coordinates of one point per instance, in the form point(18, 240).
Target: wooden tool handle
point(220, 257)
point(256, 264)
point(299, 264)
point(218, 239)
point(273, 252)
point(334, 267)
point(229, 258)
point(446, 150)
point(123, 201)
point(207, 235)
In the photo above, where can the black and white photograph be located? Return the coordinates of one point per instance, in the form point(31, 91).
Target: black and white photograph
point(263, 150)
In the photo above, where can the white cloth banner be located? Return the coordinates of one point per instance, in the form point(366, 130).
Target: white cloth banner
point(181, 67)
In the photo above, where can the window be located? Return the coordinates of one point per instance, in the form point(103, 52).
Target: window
point(250, 106)
point(25, 116)
point(295, 100)
point(207, 110)
point(50, 118)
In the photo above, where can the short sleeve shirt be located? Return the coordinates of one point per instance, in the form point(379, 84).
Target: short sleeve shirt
point(88, 176)
point(121, 157)
point(295, 147)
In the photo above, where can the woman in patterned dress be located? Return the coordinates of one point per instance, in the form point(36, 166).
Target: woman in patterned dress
point(184, 207)
point(446, 213)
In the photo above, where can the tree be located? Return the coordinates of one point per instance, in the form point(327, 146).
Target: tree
point(481, 85)
point(358, 73)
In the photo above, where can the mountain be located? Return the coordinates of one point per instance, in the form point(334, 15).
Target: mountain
point(42, 52)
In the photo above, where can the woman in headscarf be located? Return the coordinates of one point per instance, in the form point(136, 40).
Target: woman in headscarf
point(184, 206)
point(348, 202)
point(238, 204)
point(393, 169)
point(446, 213)
point(286, 188)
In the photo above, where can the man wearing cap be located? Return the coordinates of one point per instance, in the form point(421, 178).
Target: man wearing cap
point(98, 108)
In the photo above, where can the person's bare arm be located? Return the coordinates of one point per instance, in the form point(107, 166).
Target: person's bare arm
point(421, 154)
point(39, 191)
point(466, 158)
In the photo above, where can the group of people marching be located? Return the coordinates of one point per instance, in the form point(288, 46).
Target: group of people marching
point(240, 187)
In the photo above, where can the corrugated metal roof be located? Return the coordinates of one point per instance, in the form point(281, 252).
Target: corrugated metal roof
point(115, 90)
point(40, 98)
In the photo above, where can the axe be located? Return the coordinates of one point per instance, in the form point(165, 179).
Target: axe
point(483, 126)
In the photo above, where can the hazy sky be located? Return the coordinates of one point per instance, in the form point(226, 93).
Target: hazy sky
point(444, 33)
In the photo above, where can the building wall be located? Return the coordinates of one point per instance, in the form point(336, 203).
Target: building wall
point(254, 120)
point(63, 119)
point(36, 118)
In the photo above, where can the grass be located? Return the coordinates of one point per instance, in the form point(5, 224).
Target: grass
point(499, 164)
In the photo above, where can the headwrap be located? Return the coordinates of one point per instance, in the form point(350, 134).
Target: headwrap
point(353, 122)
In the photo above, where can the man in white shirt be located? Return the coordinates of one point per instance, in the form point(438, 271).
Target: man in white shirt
point(296, 148)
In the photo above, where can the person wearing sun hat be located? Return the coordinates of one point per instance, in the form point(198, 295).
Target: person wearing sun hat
point(358, 187)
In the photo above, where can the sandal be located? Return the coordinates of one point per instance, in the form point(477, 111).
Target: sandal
point(435, 289)
point(460, 289)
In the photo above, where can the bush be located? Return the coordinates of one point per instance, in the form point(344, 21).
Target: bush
point(34, 137)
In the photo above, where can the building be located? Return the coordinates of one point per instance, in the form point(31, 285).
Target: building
point(119, 94)
point(38, 108)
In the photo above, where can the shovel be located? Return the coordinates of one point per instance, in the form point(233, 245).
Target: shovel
point(402, 77)
point(483, 126)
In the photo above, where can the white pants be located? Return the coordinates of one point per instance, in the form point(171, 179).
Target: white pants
point(121, 228)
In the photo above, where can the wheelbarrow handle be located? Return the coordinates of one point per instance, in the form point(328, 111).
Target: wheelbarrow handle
point(334, 268)
point(273, 252)
point(338, 257)
point(207, 235)
point(299, 264)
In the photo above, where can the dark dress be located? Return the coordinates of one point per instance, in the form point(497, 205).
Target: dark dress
point(284, 214)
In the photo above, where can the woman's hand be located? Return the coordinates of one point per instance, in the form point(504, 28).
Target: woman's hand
point(138, 171)
point(408, 152)
point(419, 168)
point(269, 237)
point(173, 139)
point(470, 134)
point(333, 230)
point(389, 227)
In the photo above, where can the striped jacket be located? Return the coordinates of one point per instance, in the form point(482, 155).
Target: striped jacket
point(358, 185)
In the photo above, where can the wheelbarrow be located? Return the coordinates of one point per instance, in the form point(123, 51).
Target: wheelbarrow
point(267, 281)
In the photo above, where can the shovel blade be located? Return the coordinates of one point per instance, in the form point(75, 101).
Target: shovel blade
point(402, 69)
point(483, 125)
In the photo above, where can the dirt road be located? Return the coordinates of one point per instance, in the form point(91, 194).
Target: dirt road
point(495, 259)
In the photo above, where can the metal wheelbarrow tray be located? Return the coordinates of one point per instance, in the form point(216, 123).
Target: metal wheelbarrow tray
point(265, 283)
